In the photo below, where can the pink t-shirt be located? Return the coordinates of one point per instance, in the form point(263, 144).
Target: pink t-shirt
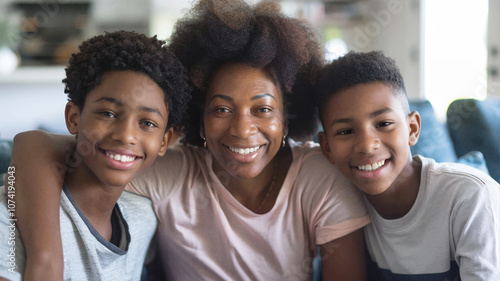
point(204, 233)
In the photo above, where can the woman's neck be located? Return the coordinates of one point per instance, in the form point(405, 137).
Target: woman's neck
point(259, 194)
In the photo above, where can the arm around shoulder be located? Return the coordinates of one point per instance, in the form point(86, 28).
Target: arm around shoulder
point(39, 162)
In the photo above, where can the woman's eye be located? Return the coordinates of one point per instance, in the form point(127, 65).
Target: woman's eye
point(263, 110)
point(222, 110)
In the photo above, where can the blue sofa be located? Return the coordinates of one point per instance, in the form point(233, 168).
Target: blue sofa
point(470, 135)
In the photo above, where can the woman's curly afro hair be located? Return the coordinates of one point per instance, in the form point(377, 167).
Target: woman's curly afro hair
point(215, 32)
point(358, 68)
point(127, 50)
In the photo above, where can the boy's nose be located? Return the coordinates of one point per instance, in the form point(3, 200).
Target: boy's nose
point(366, 142)
point(243, 126)
point(125, 131)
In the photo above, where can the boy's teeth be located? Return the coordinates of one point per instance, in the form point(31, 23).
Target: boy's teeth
point(372, 167)
point(121, 158)
point(243, 151)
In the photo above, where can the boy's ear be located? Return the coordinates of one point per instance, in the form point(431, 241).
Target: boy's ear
point(165, 141)
point(72, 116)
point(414, 128)
point(323, 142)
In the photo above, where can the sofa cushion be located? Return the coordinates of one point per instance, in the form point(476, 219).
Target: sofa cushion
point(474, 125)
point(474, 159)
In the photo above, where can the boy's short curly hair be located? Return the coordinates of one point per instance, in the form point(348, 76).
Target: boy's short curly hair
point(357, 68)
point(216, 32)
point(128, 50)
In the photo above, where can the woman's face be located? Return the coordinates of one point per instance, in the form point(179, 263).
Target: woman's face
point(243, 120)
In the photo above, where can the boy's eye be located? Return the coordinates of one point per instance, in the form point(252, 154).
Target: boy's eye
point(384, 124)
point(344, 132)
point(107, 114)
point(148, 124)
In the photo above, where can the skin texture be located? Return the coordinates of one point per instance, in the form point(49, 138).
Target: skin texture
point(364, 125)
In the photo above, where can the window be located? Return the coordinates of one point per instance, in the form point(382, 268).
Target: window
point(455, 51)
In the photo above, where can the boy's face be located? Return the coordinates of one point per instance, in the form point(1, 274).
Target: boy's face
point(121, 129)
point(368, 136)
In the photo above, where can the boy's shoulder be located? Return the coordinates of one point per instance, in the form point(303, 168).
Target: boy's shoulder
point(453, 175)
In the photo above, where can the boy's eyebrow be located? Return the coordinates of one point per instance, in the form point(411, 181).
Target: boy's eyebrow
point(228, 98)
point(152, 110)
point(380, 111)
point(120, 103)
point(373, 114)
point(111, 100)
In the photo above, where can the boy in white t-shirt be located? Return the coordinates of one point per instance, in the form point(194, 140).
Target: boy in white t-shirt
point(125, 91)
point(430, 221)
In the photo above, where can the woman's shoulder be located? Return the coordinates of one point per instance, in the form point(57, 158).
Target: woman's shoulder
point(310, 162)
point(178, 155)
point(309, 154)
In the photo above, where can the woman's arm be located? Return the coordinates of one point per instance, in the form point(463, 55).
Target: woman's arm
point(39, 160)
point(343, 258)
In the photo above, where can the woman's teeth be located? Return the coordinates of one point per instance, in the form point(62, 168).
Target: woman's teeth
point(121, 158)
point(372, 167)
point(244, 151)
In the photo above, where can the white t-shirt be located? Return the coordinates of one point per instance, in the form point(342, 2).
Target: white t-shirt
point(87, 255)
point(453, 228)
point(204, 233)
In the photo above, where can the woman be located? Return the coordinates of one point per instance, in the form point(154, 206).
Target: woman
point(239, 200)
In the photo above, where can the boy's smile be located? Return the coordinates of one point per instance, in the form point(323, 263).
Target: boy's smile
point(368, 136)
point(121, 128)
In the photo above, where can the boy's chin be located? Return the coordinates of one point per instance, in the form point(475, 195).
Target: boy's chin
point(373, 191)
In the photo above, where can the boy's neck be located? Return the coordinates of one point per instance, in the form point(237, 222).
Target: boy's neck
point(95, 199)
point(400, 197)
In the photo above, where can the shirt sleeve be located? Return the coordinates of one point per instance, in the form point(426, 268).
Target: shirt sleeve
point(476, 233)
point(335, 205)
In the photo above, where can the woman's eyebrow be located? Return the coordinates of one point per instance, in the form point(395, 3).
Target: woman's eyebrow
point(224, 97)
point(259, 96)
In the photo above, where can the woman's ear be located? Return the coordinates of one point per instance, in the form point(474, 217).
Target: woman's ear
point(323, 142)
point(165, 141)
point(414, 128)
point(202, 128)
point(285, 129)
point(72, 116)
